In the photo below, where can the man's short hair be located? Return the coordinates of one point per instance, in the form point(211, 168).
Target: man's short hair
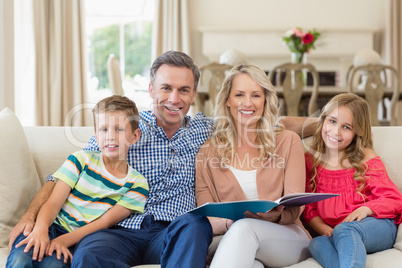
point(176, 59)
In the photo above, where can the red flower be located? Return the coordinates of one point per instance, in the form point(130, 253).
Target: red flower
point(308, 38)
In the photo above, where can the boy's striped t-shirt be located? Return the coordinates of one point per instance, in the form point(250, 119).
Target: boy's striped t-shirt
point(95, 190)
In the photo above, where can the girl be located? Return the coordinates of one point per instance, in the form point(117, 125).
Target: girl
point(364, 218)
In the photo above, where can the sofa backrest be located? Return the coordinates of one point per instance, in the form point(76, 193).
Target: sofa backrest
point(50, 146)
point(388, 145)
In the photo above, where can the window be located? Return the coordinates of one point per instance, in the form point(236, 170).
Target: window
point(122, 28)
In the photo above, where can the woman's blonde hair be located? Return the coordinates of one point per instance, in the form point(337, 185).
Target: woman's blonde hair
point(354, 153)
point(225, 134)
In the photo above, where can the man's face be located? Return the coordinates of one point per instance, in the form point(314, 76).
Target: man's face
point(172, 92)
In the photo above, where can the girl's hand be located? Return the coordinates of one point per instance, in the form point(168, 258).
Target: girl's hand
point(60, 247)
point(359, 214)
point(39, 240)
point(327, 231)
point(273, 215)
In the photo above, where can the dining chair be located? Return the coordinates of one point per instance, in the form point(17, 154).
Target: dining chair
point(371, 79)
point(212, 77)
point(291, 82)
point(114, 75)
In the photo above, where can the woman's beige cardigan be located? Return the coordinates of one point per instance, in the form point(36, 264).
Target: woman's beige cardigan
point(279, 175)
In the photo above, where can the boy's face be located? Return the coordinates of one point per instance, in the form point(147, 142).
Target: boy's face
point(114, 134)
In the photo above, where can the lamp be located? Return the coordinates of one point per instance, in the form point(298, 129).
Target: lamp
point(232, 57)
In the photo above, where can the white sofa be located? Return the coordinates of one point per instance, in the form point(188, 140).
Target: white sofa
point(29, 154)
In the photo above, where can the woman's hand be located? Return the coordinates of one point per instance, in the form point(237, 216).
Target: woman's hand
point(228, 223)
point(359, 214)
point(58, 245)
point(273, 215)
point(39, 240)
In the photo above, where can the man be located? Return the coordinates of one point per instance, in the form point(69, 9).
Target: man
point(165, 155)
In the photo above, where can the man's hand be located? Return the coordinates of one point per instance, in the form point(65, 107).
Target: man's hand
point(24, 226)
point(27, 221)
point(274, 215)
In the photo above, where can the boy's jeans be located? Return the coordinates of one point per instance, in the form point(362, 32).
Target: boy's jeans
point(351, 241)
point(19, 259)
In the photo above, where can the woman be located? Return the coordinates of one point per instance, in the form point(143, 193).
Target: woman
point(251, 156)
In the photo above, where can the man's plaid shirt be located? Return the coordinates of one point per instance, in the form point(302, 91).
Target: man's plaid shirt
point(168, 165)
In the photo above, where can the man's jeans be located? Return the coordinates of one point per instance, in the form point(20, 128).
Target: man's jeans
point(181, 243)
point(351, 241)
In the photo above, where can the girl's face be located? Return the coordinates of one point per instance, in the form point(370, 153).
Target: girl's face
point(246, 101)
point(337, 131)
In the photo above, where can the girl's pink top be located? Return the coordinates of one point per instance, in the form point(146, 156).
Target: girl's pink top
point(380, 193)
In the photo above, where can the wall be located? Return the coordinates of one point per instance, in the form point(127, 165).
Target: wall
point(283, 15)
point(251, 14)
point(6, 54)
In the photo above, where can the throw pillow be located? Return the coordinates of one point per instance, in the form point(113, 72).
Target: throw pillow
point(19, 180)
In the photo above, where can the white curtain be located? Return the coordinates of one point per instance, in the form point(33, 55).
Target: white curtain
point(393, 41)
point(60, 69)
point(24, 62)
point(171, 28)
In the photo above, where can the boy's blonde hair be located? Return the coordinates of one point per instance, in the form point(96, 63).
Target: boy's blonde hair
point(354, 153)
point(118, 103)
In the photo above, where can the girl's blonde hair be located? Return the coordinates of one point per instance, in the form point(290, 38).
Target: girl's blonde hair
point(354, 153)
point(225, 134)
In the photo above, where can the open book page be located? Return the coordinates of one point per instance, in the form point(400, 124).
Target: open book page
point(300, 199)
point(235, 210)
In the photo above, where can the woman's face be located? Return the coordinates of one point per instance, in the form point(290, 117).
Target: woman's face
point(246, 101)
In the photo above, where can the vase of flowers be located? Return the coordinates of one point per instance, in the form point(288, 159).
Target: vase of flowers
point(298, 57)
point(300, 42)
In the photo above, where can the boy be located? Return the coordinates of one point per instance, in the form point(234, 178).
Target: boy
point(94, 190)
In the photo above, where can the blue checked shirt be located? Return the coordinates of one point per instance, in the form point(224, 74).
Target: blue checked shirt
point(168, 165)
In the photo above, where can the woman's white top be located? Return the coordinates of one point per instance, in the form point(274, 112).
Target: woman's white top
point(247, 180)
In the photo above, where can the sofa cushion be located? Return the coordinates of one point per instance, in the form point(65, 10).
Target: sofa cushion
point(398, 240)
point(19, 180)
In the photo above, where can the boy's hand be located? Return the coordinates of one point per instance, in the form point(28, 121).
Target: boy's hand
point(39, 240)
point(60, 247)
point(359, 214)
